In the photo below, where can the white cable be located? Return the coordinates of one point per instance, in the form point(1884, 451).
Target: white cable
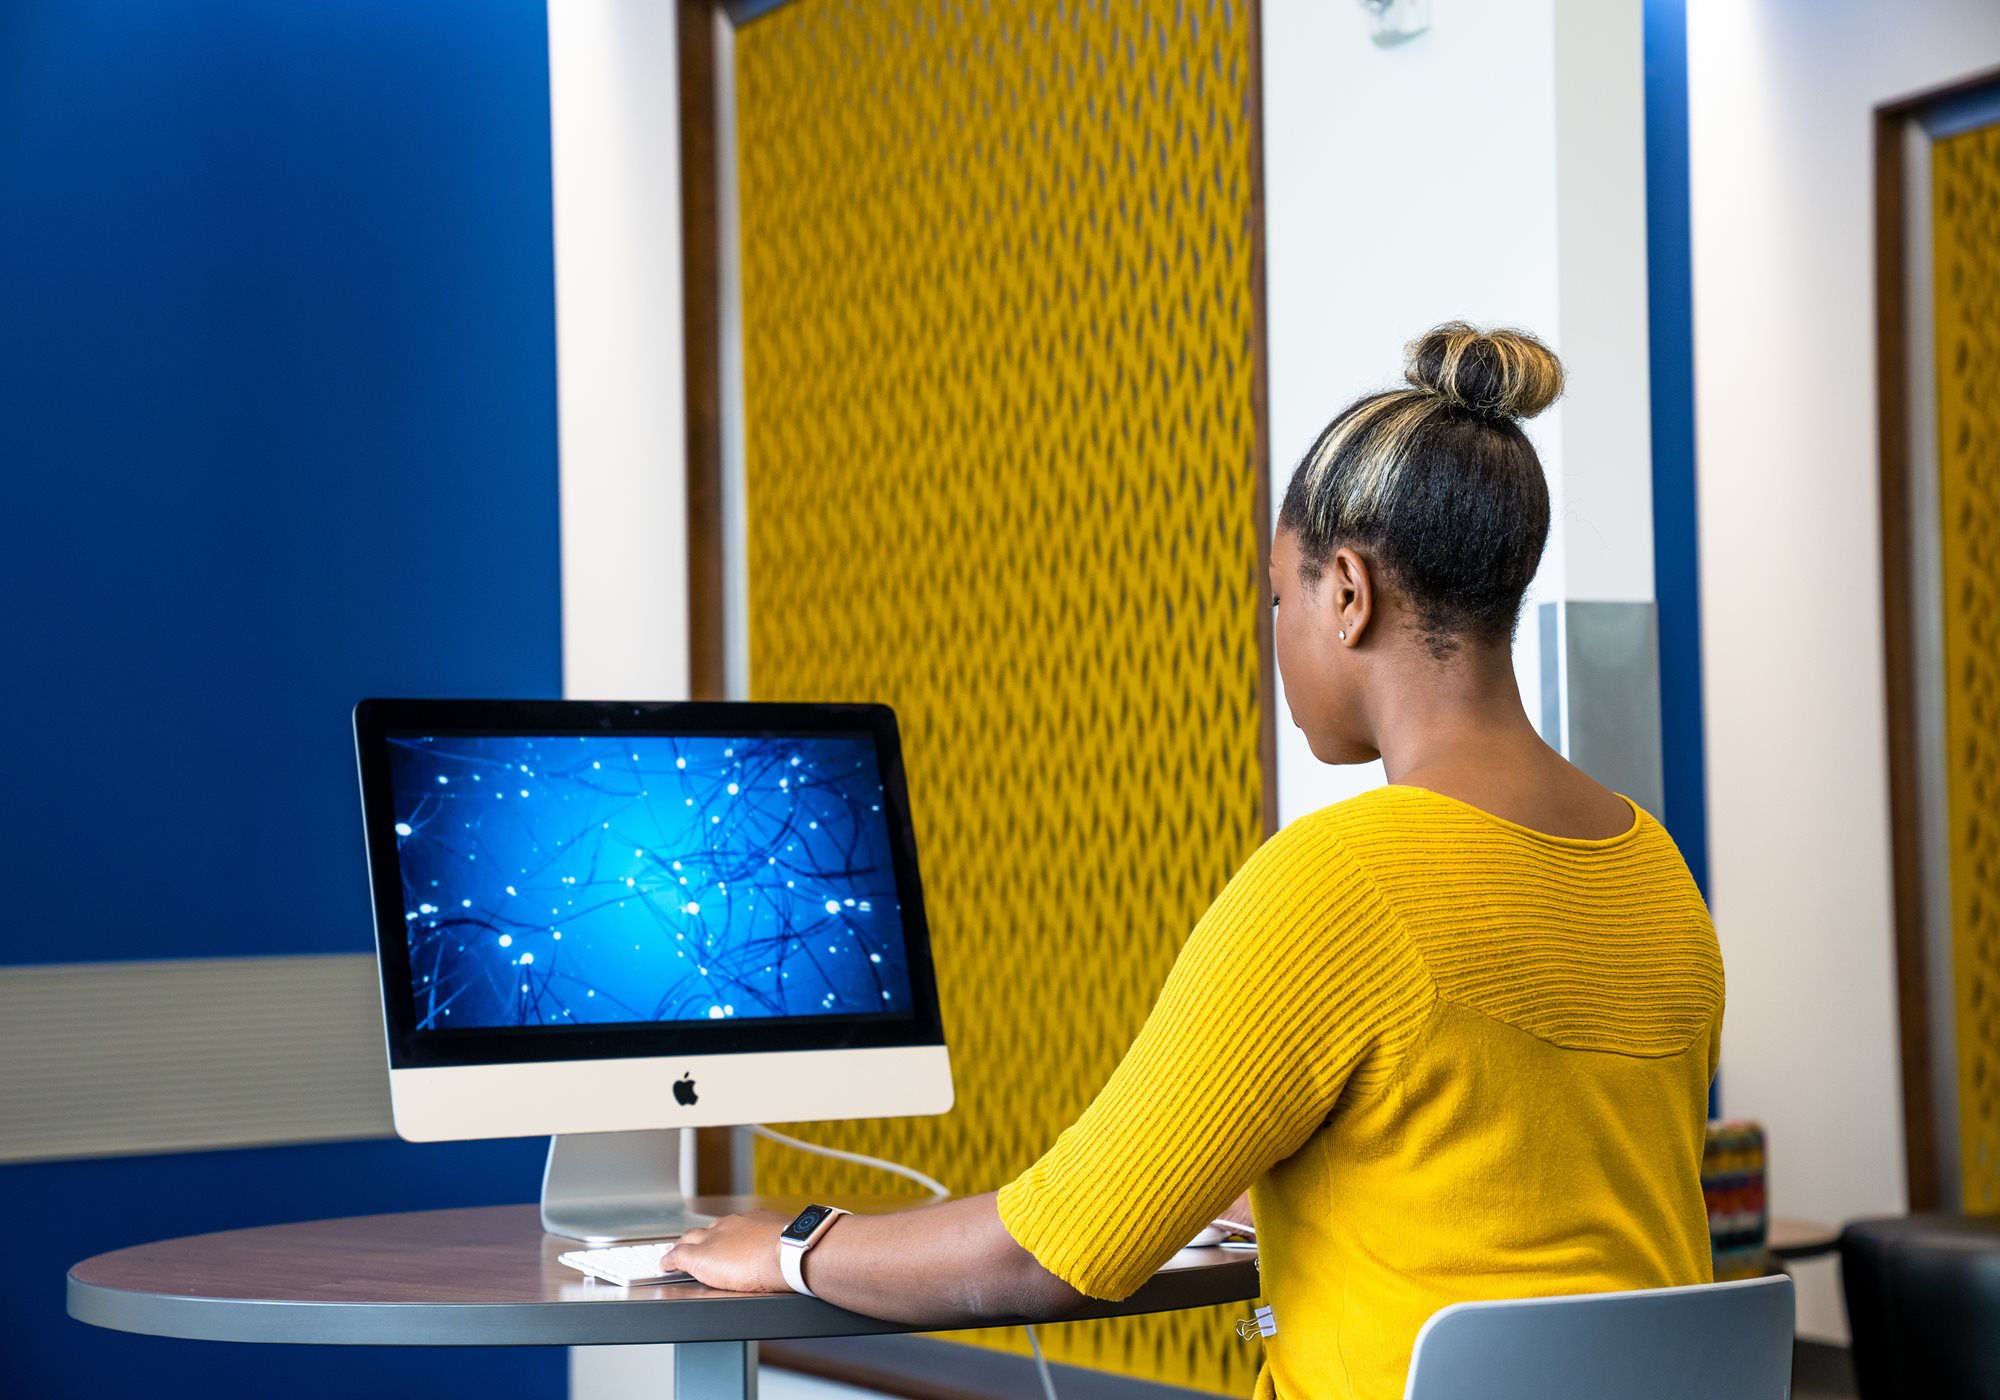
point(938, 1191)
point(930, 1184)
point(1042, 1366)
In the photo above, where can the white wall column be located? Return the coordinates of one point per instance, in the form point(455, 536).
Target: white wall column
point(1491, 170)
point(1606, 522)
point(621, 398)
point(614, 121)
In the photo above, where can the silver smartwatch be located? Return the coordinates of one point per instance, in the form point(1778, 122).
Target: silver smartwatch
point(798, 1237)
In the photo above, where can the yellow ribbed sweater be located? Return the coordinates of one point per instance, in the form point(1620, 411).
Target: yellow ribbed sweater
point(1452, 1058)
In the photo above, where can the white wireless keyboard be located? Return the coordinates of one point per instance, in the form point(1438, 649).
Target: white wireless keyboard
point(627, 1265)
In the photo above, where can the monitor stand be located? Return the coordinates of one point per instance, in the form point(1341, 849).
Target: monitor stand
point(606, 1188)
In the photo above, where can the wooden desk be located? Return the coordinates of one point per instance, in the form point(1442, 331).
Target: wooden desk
point(1789, 1239)
point(489, 1277)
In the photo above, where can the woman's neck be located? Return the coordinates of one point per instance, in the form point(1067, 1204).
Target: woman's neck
point(1458, 728)
point(1463, 714)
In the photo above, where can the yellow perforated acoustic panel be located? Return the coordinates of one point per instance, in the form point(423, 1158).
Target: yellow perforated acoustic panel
point(1000, 455)
point(1966, 225)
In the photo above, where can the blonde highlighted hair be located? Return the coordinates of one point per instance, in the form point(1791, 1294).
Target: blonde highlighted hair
point(1437, 483)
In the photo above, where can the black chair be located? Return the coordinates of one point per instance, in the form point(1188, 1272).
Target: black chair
point(1923, 1302)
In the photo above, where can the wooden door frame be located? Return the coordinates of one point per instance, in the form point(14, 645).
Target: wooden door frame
point(701, 299)
point(716, 1165)
point(1922, 1162)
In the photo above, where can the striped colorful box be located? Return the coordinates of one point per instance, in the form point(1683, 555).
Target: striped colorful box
point(1732, 1182)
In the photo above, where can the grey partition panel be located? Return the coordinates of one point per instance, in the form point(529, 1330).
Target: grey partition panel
point(1601, 694)
point(109, 1059)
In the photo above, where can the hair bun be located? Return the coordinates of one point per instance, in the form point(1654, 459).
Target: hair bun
point(1497, 373)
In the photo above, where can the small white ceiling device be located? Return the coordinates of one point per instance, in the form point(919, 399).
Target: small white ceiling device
point(1394, 21)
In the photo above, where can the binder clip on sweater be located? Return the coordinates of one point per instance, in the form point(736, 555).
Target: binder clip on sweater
point(1262, 1325)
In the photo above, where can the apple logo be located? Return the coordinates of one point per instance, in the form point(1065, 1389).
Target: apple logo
point(684, 1089)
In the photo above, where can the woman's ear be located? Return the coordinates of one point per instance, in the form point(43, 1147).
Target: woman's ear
point(1352, 595)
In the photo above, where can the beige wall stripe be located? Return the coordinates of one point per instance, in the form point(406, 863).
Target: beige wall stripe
point(113, 1059)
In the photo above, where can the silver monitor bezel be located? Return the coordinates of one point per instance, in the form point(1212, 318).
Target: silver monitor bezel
point(532, 1080)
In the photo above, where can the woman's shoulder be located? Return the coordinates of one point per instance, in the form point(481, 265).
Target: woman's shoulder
point(1319, 838)
point(1360, 824)
point(1397, 835)
point(1305, 902)
point(1349, 836)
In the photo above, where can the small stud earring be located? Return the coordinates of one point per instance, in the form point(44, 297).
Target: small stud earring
point(1343, 636)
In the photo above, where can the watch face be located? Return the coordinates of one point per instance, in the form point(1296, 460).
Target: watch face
point(808, 1221)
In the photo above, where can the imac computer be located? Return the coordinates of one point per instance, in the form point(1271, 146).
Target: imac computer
point(609, 921)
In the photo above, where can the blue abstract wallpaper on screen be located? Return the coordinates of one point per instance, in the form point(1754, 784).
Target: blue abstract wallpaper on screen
point(569, 881)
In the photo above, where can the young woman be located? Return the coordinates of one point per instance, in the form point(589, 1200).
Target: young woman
point(1454, 1037)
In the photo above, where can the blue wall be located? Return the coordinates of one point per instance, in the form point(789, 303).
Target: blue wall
point(277, 430)
point(1676, 554)
point(1670, 308)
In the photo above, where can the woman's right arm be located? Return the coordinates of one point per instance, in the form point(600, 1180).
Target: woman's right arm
point(1294, 973)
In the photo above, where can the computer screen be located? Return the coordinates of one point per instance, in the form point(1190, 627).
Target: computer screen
point(589, 880)
point(562, 880)
point(596, 918)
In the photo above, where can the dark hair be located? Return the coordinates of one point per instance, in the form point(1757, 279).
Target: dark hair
point(1437, 483)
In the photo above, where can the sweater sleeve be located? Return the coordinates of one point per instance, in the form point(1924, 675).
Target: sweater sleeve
point(1293, 974)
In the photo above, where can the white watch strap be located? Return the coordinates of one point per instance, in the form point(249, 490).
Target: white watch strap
point(792, 1257)
point(791, 1262)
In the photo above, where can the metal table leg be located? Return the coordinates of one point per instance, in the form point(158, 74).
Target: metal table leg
point(715, 1371)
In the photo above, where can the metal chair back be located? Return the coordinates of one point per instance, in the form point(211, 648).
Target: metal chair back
point(1710, 1341)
